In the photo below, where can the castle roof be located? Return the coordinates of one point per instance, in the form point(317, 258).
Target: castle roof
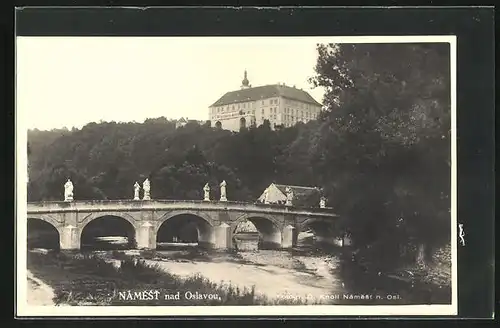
point(264, 92)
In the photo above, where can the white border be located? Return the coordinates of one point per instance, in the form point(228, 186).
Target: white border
point(25, 310)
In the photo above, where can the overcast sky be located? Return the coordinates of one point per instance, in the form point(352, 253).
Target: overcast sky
point(71, 81)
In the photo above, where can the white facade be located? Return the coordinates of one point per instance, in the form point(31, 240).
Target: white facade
point(274, 195)
point(278, 110)
point(282, 105)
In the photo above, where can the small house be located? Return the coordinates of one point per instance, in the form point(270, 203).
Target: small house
point(302, 196)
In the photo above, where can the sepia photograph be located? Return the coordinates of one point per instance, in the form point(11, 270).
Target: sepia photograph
point(236, 175)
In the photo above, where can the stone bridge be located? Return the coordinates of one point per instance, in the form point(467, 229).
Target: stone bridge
point(216, 221)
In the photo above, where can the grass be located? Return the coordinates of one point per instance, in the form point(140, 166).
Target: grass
point(91, 280)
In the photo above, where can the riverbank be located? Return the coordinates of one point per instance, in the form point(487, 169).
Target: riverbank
point(275, 274)
point(264, 277)
point(38, 292)
point(92, 280)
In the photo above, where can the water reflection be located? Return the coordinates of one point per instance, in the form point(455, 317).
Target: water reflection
point(107, 243)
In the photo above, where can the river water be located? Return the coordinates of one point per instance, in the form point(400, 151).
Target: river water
point(303, 274)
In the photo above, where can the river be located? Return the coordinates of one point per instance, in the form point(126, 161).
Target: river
point(302, 273)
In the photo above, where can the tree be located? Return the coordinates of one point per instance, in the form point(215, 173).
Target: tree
point(383, 147)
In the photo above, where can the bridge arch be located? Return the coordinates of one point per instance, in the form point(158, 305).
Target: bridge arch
point(317, 225)
point(269, 228)
point(185, 226)
point(319, 231)
point(169, 215)
point(97, 215)
point(127, 227)
point(43, 231)
point(57, 224)
point(250, 216)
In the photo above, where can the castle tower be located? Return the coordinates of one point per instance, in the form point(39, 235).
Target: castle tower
point(245, 83)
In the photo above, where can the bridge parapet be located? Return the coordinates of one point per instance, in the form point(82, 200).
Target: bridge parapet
point(162, 205)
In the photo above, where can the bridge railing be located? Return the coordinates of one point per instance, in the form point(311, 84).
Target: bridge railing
point(102, 205)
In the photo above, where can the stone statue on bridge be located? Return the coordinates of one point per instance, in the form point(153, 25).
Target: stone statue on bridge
point(146, 186)
point(223, 197)
point(206, 191)
point(68, 191)
point(289, 196)
point(137, 187)
point(322, 202)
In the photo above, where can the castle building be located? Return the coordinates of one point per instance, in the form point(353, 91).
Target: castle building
point(282, 105)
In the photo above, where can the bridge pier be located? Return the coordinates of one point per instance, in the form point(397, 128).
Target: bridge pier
point(223, 236)
point(146, 236)
point(288, 237)
point(69, 238)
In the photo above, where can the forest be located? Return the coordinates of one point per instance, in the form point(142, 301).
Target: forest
point(380, 151)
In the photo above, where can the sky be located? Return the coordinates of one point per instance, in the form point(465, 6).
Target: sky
point(72, 81)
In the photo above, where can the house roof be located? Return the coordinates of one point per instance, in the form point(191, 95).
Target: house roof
point(182, 120)
point(264, 92)
point(297, 190)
